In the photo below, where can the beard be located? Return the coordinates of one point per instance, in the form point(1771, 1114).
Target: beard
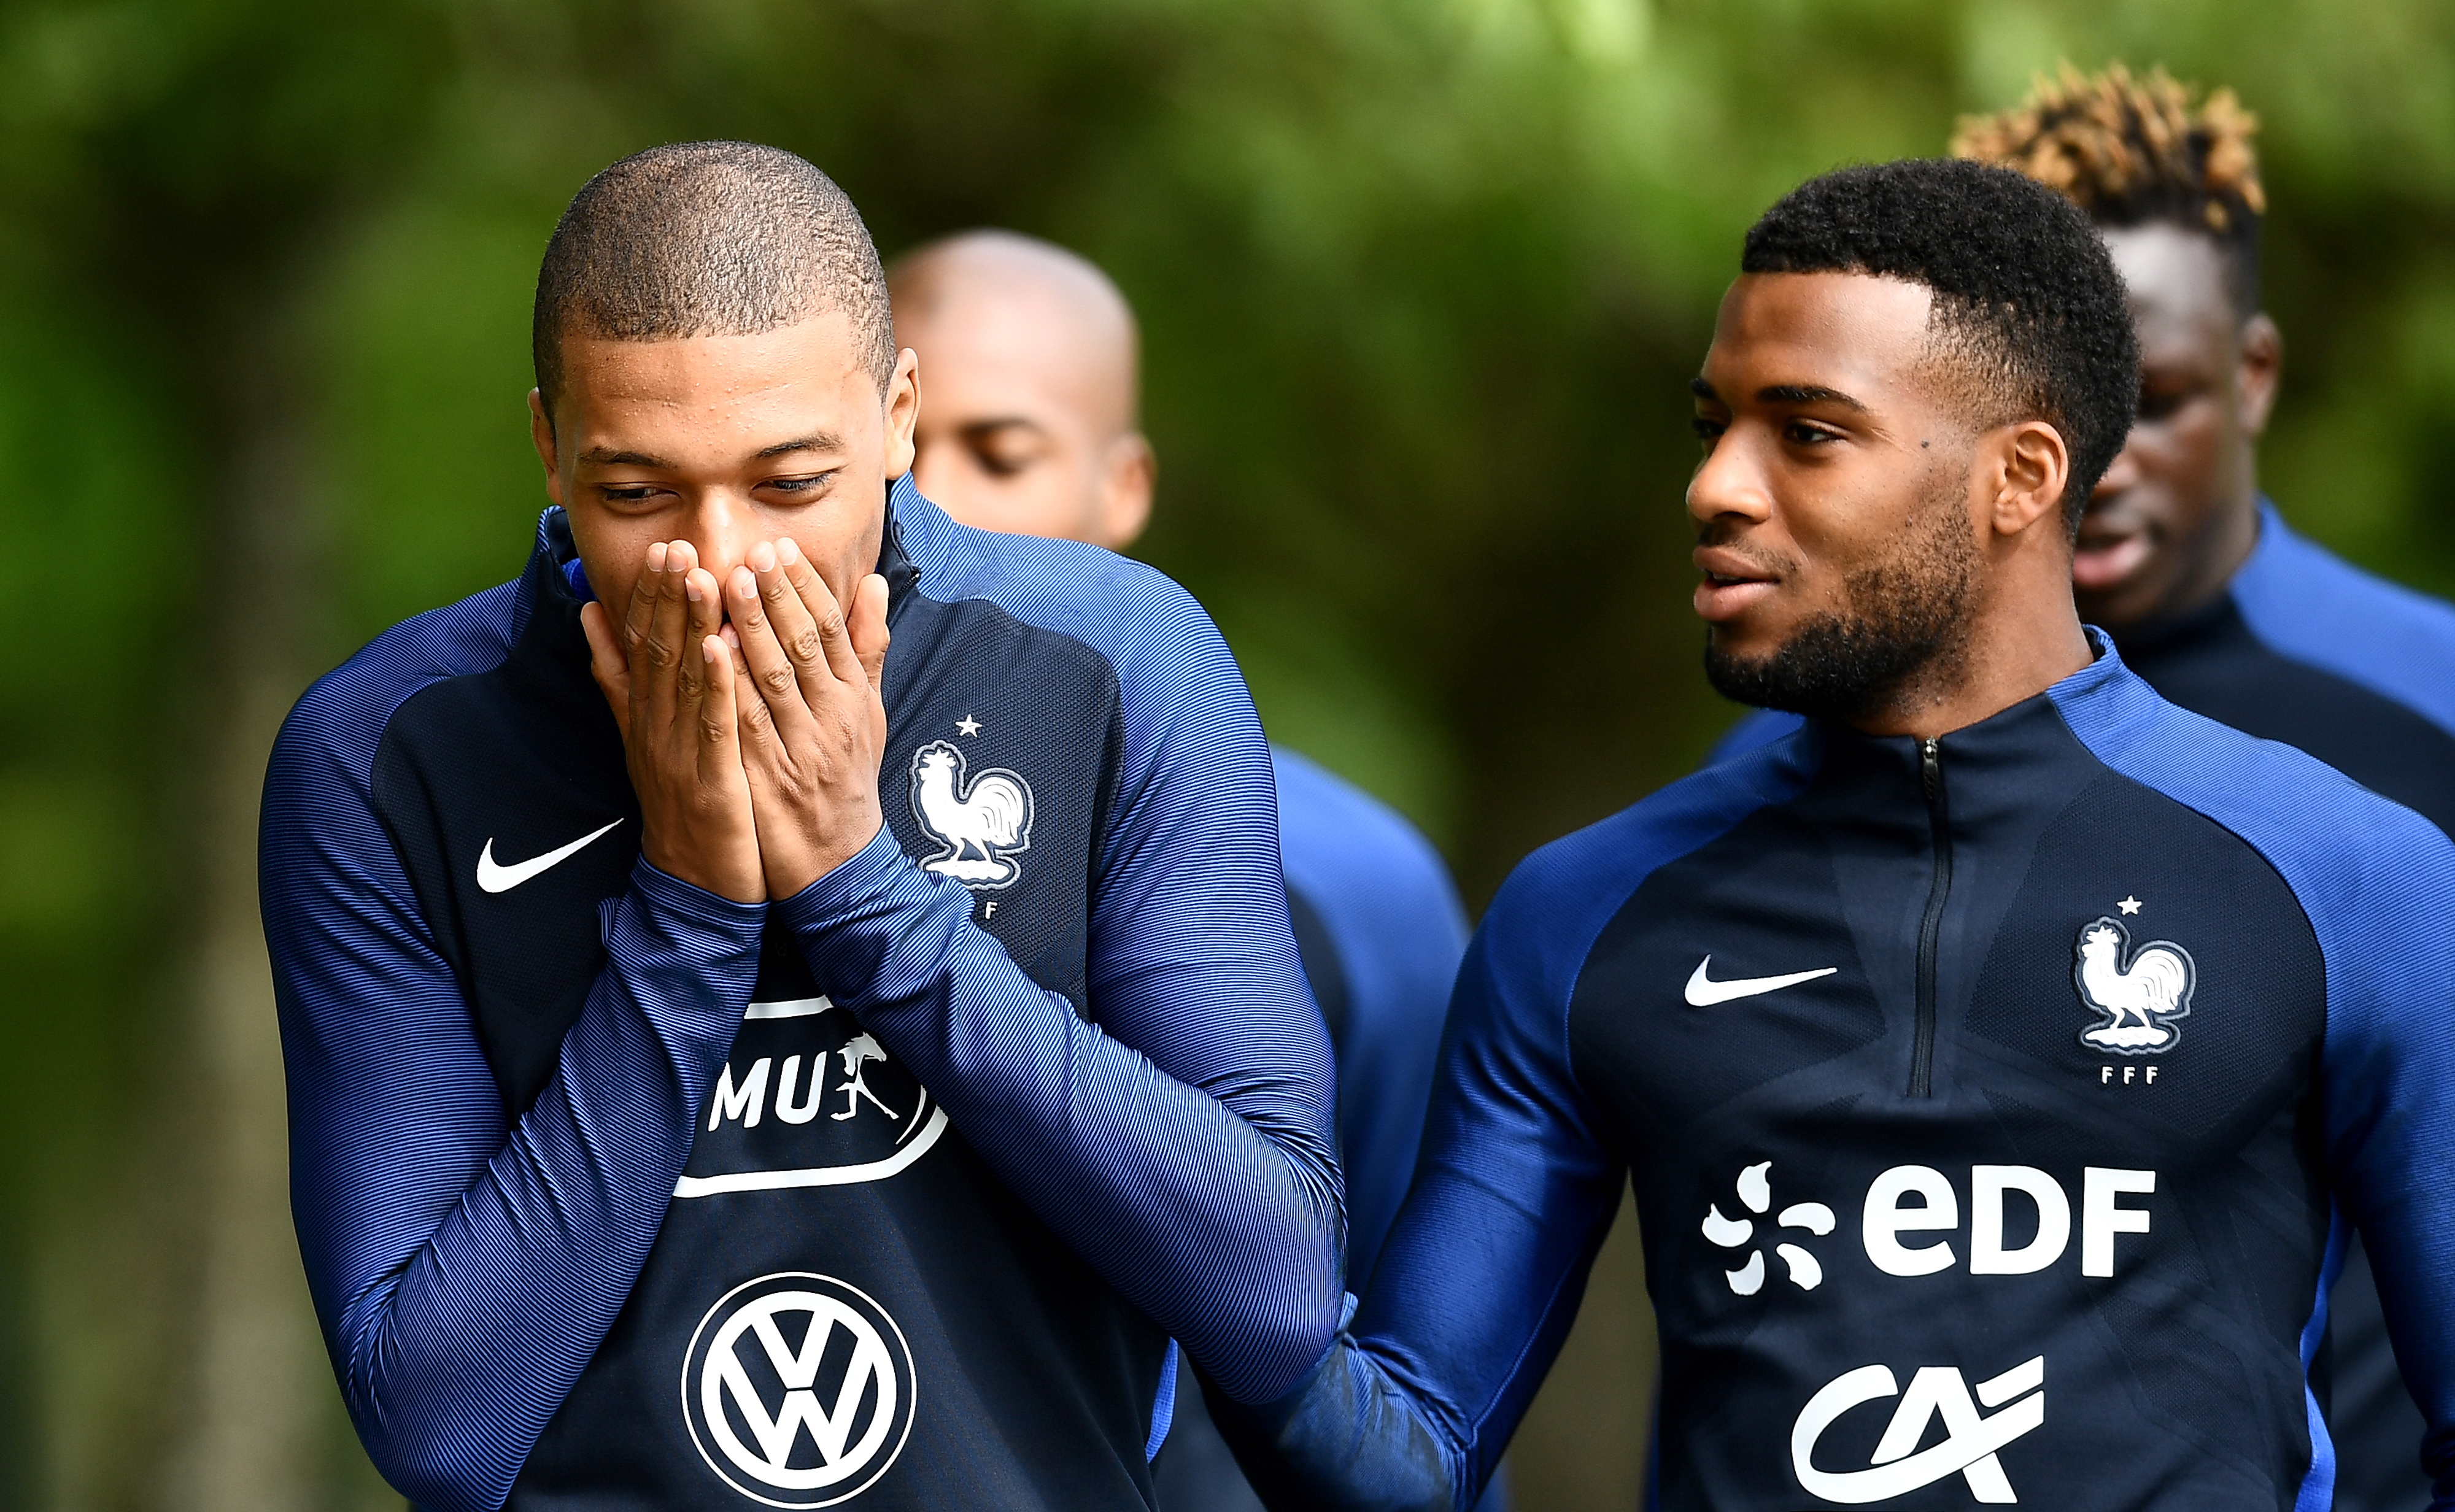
point(1903, 619)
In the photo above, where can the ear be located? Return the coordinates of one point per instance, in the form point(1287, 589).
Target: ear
point(542, 434)
point(903, 412)
point(2032, 468)
point(1127, 477)
point(2258, 371)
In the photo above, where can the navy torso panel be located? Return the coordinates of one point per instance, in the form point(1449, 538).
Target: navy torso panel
point(841, 1286)
point(1986, 1132)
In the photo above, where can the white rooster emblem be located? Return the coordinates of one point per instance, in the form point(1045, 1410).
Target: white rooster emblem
point(982, 822)
point(2140, 997)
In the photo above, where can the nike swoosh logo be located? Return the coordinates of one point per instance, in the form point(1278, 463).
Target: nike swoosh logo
point(496, 878)
point(1704, 992)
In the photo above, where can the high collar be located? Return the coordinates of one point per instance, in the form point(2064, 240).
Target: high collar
point(2001, 740)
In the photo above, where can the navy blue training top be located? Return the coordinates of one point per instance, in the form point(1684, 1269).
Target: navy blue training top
point(1996, 1106)
point(1380, 931)
point(614, 1193)
point(2304, 648)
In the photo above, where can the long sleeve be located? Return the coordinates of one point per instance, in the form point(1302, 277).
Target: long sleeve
point(1179, 1136)
point(1478, 1284)
point(2388, 1095)
point(467, 1264)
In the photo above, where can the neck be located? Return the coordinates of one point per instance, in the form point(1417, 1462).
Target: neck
point(2023, 641)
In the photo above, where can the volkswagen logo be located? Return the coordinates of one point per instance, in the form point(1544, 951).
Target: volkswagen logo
point(798, 1389)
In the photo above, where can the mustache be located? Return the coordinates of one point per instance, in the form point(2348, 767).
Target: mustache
point(1725, 537)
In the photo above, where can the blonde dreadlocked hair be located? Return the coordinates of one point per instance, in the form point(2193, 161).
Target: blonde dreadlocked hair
point(2132, 152)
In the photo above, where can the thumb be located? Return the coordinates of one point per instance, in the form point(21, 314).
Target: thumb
point(606, 662)
point(869, 636)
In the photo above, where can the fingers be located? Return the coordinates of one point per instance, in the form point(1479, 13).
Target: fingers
point(869, 636)
point(835, 639)
point(720, 755)
point(656, 659)
point(705, 613)
point(609, 661)
point(774, 678)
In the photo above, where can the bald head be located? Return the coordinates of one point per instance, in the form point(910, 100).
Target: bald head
point(1030, 388)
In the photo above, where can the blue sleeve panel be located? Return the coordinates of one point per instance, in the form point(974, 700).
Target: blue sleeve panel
point(2317, 609)
point(1394, 918)
point(1756, 729)
point(1513, 1195)
point(467, 1265)
point(1184, 1143)
point(2383, 912)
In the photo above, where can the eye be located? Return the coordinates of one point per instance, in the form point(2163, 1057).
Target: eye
point(1709, 430)
point(1806, 433)
point(2159, 404)
point(798, 486)
point(629, 493)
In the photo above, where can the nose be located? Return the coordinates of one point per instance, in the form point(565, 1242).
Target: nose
point(1729, 485)
point(723, 527)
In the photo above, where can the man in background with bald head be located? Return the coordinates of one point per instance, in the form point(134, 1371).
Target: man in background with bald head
point(1029, 362)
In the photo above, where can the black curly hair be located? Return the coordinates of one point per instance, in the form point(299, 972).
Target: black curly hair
point(2026, 299)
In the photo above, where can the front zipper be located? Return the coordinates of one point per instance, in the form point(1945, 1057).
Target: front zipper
point(1930, 928)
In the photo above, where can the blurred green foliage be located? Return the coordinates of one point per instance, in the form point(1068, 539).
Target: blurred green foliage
point(1422, 282)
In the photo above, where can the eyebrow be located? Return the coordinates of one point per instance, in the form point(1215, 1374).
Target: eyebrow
point(609, 457)
point(1807, 393)
point(1003, 422)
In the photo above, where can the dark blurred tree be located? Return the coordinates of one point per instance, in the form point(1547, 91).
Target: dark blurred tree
point(1422, 286)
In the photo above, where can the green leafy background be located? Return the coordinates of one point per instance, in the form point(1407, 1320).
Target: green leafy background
point(1421, 283)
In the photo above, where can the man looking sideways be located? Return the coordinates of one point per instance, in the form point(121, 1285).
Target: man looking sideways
point(2210, 597)
point(796, 1068)
point(2000, 1057)
point(1028, 425)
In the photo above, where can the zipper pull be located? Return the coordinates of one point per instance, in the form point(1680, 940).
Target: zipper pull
point(1931, 768)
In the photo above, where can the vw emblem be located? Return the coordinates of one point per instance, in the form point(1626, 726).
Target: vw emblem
point(798, 1389)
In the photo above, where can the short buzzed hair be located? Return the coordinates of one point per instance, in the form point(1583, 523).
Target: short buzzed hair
point(2025, 294)
point(707, 239)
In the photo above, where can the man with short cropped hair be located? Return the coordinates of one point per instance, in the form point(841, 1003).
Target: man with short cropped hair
point(1993, 1055)
point(789, 1002)
point(1031, 387)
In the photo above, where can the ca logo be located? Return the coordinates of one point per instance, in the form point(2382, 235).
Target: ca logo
point(799, 1390)
point(1969, 1442)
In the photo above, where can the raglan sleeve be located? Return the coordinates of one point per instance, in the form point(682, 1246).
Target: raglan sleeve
point(2387, 1081)
point(1180, 1138)
point(1484, 1271)
point(465, 1264)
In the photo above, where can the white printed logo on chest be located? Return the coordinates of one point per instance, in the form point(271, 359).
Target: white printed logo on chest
point(984, 821)
point(2139, 992)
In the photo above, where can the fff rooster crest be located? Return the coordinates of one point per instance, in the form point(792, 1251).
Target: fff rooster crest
point(2140, 992)
point(982, 823)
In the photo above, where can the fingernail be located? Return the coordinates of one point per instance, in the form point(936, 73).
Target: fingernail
point(690, 588)
point(763, 557)
point(745, 586)
point(657, 557)
point(709, 652)
point(787, 552)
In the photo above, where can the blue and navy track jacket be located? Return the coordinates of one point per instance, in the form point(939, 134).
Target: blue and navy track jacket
point(1380, 932)
point(616, 1194)
point(2304, 648)
point(1998, 1107)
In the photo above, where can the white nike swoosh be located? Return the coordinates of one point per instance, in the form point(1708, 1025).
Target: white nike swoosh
point(1703, 992)
point(496, 878)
